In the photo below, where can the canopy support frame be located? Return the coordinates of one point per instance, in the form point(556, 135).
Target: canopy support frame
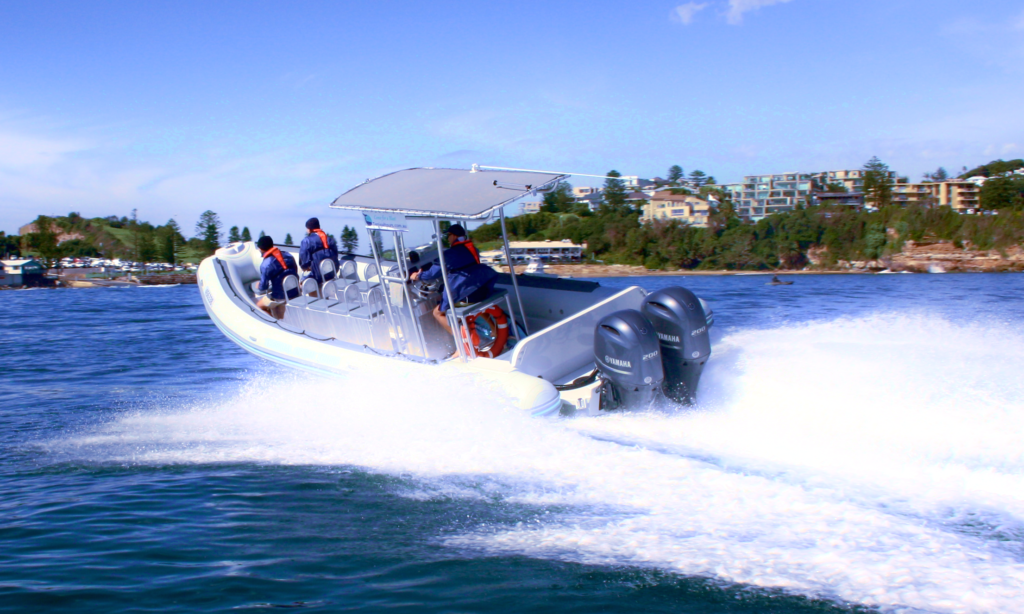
point(447, 288)
point(512, 271)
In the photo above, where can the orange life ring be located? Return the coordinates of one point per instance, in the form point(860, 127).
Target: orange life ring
point(498, 323)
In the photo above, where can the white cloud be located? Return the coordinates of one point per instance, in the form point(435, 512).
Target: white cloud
point(684, 12)
point(738, 7)
point(52, 168)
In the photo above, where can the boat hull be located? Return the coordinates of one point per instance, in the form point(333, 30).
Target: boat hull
point(257, 333)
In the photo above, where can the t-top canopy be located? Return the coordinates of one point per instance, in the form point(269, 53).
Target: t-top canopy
point(444, 192)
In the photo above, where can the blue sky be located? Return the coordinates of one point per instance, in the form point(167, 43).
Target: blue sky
point(266, 111)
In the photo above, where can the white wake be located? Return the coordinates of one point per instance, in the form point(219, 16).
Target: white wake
point(876, 460)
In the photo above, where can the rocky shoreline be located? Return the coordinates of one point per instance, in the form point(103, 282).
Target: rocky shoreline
point(936, 257)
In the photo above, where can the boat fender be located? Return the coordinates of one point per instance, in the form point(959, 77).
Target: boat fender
point(498, 322)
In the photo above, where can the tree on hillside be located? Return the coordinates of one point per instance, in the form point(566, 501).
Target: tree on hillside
point(133, 226)
point(146, 248)
point(698, 178)
point(1003, 193)
point(10, 246)
point(614, 194)
point(262, 234)
point(835, 187)
point(233, 236)
point(44, 240)
point(288, 238)
point(877, 183)
point(208, 228)
point(246, 236)
point(349, 239)
point(993, 168)
point(937, 176)
point(170, 242)
point(675, 173)
point(559, 200)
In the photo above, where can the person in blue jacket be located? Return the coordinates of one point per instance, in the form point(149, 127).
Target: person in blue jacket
point(275, 267)
point(315, 248)
point(468, 280)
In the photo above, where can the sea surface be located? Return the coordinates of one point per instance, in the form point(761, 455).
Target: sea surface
point(858, 446)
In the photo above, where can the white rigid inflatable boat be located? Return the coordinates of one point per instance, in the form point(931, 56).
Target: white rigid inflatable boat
point(572, 346)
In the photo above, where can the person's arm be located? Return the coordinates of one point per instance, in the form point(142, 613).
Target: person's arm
point(434, 272)
point(306, 253)
point(264, 286)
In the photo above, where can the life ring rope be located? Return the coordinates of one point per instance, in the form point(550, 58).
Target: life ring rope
point(499, 324)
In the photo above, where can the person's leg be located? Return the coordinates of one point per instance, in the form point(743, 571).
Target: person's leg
point(442, 319)
point(264, 304)
point(272, 308)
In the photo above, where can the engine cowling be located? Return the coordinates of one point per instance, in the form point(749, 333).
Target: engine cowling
point(628, 355)
point(682, 330)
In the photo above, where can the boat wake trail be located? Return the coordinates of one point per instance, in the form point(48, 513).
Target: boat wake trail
point(875, 460)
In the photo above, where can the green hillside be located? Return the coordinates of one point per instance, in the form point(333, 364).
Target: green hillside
point(112, 237)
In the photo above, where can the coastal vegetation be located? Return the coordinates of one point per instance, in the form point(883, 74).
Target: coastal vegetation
point(127, 238)
point(810, 236)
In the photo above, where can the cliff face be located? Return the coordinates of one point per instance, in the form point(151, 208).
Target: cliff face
point(938, 257)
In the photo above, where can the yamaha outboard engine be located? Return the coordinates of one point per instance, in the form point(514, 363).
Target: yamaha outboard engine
point(627, 355)
point(682, 327)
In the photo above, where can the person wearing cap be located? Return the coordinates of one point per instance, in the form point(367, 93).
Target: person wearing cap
point(315, 248)
point(468, 280)
point(276, 266)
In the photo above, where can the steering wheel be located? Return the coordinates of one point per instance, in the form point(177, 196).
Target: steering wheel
point(423, 290)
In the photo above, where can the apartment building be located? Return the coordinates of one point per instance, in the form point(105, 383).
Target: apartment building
point(530, 207)
point(686, 208)
point(634, 182)
point(959, 194)
point(761, 195)
point(591, 196)
point(852, 180)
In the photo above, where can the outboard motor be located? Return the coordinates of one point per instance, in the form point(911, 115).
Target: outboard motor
point(627, 355)
point(682, 328)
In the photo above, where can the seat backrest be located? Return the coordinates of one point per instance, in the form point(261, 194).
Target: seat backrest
point(348, 271)
point(309, 287)
point(370, 272)
point(375, 302)
point(291, 287)
point(327, 269)
point(352, 296)
point(330, 290)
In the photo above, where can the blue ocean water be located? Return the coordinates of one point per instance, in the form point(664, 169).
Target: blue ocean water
point(857, 448)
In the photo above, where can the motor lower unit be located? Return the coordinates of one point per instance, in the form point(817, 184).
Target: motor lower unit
point(658, 351)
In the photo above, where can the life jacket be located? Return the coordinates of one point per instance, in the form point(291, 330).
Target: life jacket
point(276, 253)
point(472, 249)
point(323, 237)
